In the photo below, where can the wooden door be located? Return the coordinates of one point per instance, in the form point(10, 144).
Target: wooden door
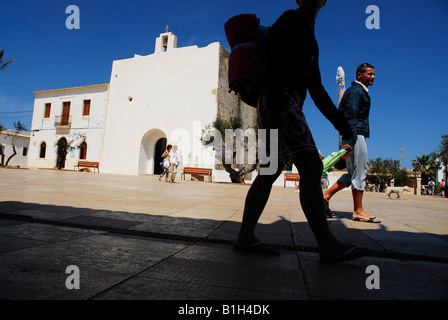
point(65, 114)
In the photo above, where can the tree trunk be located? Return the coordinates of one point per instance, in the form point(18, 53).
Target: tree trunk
point(11, 156)
point(236, 176)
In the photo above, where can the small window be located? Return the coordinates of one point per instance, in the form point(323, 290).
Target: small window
point(25, 151)
point(43, 150)
point(83, 151)
point(86, 109)
point(47, 110)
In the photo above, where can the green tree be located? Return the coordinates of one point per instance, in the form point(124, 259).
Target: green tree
point(2, 63)
point(65, 144)
point(381, 171)
point(443, 149)
point(237, 171)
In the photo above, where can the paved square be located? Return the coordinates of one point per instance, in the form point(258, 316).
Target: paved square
point(133, 237)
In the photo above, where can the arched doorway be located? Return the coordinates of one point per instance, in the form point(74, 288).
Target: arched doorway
point(62, 145)
point(83, 151)
point(159, 149)
point(43, 150)
point(152, 142)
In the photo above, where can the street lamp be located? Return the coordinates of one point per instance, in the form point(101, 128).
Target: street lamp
point(401, 155)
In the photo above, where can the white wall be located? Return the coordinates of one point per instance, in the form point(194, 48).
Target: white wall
point(22, 140)
point(165, 94)
point(92, 126)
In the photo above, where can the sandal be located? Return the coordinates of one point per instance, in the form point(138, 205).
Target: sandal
point(370, 220)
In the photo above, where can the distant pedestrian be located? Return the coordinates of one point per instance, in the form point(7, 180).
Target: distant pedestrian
point(165, 163)
point(431, 185)
point(174, 161)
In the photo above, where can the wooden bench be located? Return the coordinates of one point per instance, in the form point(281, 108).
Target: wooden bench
point(197, 171)
point(88, 164)
point(290, 177)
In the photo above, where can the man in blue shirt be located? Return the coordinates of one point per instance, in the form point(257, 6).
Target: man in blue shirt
point(355, 105)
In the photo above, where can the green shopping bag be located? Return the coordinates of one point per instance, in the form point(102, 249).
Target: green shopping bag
point(332, 159)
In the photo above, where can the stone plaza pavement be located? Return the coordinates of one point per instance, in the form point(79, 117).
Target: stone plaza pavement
point(133, 237)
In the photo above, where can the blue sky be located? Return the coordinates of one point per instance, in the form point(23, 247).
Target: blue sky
point(409, 51)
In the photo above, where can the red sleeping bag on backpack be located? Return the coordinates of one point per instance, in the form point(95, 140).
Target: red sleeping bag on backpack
point(245, 65)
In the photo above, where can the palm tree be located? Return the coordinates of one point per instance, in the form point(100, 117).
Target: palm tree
point(3, 64)
point(426, 164)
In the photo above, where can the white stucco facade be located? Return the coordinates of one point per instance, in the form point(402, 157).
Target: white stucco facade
point(169, 94)
point(167, 97)
point(47, 127)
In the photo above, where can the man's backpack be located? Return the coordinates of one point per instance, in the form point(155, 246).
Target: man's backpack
point(248, 41)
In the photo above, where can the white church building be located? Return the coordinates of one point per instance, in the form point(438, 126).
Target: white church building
point(167, 97)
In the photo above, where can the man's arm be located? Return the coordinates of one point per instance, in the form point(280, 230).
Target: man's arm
point(349, 108)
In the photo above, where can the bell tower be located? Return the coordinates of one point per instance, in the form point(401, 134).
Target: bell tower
point(166, 41)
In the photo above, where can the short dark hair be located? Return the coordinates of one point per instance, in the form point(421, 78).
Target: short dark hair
point(362, 68)
point(168, 147)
